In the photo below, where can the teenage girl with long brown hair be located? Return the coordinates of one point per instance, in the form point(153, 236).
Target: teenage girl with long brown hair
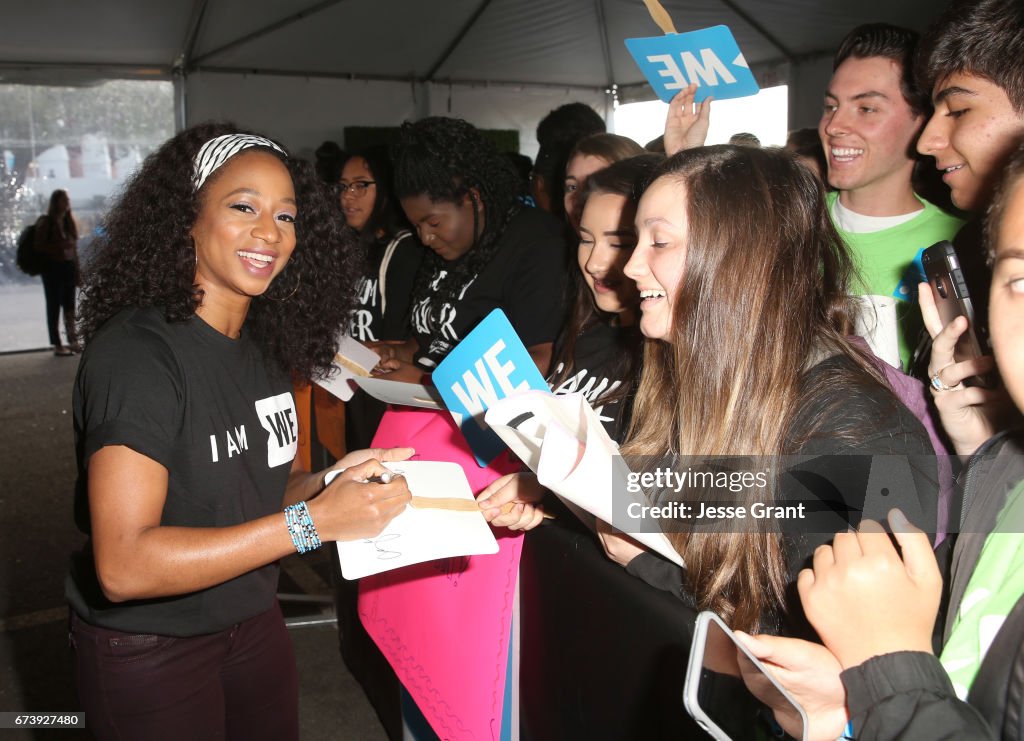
point(742, 280)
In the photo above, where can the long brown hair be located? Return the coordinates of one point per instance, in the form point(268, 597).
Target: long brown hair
point(762, 298)
point(623, 178)
point(60, 224)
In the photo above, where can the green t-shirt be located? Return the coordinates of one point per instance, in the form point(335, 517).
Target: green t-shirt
point(993, 590)
point(888, 264)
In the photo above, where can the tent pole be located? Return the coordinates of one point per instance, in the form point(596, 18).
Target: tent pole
point(422, 99)
point(467, 26)
point(610, 97)
point(180, 82)
point(605, 48)
point(756, 25)
point(260, 32)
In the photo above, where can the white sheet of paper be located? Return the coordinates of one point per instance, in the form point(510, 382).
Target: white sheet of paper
point(401, 393)
point(532, 411)
point(876, 323)
point(353, 352)
point(418, 535)
point(590, 483)
point(548, 441)
point(357, 353)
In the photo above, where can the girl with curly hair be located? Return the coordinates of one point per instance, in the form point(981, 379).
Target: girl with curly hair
point(487, 250)
point(215, 285)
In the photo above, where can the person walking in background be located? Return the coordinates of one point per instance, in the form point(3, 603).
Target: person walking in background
point(56, 237)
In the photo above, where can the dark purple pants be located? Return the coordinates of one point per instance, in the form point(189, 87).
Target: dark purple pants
point(240, 683)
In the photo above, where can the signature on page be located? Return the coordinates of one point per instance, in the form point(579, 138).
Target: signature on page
point(385, 553)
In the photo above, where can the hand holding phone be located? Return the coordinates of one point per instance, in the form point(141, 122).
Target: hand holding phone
point(952, 300)
point(970, 414)
point(716, 692)
point(811, 675)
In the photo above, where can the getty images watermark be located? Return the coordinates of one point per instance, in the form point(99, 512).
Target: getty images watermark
point(666, 479)
point(794, 494)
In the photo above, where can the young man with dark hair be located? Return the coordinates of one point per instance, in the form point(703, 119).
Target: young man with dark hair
point(973, 64)
point(872, 116)
point(972, 61)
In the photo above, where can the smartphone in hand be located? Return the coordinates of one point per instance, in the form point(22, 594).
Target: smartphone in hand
point(952, 299)
point(716, 695)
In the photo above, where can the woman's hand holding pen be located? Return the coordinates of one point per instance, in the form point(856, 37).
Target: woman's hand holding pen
point(354, 506)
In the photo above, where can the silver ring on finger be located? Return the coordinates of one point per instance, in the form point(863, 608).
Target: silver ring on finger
point(937, 383)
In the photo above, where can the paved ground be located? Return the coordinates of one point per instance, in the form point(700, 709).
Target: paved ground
point(37, 533)
point(22, 316)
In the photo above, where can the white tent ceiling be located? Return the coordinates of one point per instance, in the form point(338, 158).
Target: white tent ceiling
point(411, 50)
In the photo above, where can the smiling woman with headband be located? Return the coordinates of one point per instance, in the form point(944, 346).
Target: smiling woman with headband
point(215, 285)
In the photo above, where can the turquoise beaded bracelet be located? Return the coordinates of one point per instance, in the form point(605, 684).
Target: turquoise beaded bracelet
point(301, 528)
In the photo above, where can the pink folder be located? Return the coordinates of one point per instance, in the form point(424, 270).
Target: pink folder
point(444, 625)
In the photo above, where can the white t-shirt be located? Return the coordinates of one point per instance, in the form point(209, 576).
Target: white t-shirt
point(855, 223)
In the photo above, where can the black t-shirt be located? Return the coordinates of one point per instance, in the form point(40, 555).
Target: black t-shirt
point(222, 422)
point(525, 278)
point(598, 364)
point(889, 445)
point(383, 296)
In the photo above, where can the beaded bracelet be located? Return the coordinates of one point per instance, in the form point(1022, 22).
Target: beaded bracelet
point(301, 528)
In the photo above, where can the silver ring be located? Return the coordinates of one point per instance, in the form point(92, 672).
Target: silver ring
point(937, 383)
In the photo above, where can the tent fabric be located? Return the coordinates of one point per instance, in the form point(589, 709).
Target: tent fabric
point(557, 42)
point(302, 112)
point(302, 70)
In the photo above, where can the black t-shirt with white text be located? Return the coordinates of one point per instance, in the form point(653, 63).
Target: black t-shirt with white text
point(598, 365)
point(525, 278)
point(382, 306)
point(219, 418)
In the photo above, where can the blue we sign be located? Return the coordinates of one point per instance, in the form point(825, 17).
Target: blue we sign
point(489, 364)
point(709, 57)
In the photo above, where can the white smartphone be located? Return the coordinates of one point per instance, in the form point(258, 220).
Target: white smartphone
point(715, 694)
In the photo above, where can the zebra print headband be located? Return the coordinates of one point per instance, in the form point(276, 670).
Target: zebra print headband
point(216, 152)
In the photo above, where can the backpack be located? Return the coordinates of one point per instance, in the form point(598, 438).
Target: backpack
point(30, 260)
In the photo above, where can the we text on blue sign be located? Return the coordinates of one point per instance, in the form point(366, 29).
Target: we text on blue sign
point(489, 364)
point(709, 57)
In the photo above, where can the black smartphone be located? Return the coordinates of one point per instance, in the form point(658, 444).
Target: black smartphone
point(942, 268)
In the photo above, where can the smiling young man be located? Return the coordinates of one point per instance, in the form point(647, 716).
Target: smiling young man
point(972, 62)
point(872, 116)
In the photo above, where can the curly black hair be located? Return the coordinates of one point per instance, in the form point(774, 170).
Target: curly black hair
point(146, 257)
point(448, 159)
